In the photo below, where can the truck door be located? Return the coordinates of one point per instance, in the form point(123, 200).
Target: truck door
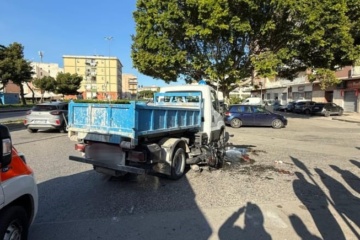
point(217, 120)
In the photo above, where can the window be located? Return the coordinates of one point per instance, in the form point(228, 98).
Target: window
point(214, 101)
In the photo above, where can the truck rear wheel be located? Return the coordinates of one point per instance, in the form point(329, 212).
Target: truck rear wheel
point(14, 223)
point(178, 164)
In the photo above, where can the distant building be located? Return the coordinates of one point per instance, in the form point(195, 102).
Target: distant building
point(40, 70)
point(153, 88)
point(102, 76)
point(129, 86)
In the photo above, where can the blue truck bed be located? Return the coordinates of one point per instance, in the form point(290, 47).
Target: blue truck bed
point(136, 119)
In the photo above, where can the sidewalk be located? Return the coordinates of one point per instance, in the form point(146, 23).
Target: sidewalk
point(348, 117)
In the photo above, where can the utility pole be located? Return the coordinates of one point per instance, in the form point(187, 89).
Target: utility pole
point(109, 78)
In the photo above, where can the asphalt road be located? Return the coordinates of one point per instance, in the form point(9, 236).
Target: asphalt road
point(12, 116)
point(302, 183)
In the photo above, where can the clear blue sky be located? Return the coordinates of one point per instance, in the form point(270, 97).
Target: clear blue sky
point(76, 27)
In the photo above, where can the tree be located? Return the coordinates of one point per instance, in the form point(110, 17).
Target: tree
point(46, 83)
point(14, 67)
point(229, 43)
point(68, 84)
point(146, 94)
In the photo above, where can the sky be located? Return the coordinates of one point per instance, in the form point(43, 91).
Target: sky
point(76, 27)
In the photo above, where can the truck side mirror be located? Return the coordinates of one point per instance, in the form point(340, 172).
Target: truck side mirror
point(5, 147)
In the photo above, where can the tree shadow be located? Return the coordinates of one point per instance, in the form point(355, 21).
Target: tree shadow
point(315, 200)
point(344, 201)
point(356, 163)
point(351, 179)
point(253, 224)
point(88, 205)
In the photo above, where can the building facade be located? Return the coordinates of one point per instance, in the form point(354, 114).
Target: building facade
point(102, 76)
point(41, 69)
point(129, 86)
point(346, 94)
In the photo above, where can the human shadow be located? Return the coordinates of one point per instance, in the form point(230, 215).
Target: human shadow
point(315, 200)
point(301, 229)
point(351, 179)
point(356, 163)
point(344, 201)
point(253, 225)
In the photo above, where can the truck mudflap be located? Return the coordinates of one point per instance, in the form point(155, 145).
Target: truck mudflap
point(128, 169)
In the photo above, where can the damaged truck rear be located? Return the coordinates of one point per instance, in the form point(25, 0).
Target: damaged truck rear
point(182, 126)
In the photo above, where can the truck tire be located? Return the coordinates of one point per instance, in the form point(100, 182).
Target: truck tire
point(178, 163)
point(14, 223)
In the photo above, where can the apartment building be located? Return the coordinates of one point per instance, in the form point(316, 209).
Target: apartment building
point(102, 76)
point(129, 86)
point(42, 69)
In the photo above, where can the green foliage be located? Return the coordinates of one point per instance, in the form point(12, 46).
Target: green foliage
point(146, 94)
point(230, 42)
point(326, 78)
point(234, 100)
point(14, 67)
point(46, 83)
point(68, 84)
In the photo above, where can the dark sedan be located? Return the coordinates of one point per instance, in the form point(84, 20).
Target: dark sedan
point(327, 109)
point(253, 115)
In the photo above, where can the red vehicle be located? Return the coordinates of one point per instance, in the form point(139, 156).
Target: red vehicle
point(18, 191)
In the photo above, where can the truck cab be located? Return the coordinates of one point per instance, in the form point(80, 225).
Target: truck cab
point(212, 119)
point(18, 191)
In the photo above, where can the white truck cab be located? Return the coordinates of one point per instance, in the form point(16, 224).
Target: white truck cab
point(18, 191)
point(213, 121)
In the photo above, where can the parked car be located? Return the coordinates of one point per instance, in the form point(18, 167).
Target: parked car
point(327, 109)
point(303, 106)
point(290, 107)
point(253, 115)
point(52, 115)
point(18, 190)
point(253, 101)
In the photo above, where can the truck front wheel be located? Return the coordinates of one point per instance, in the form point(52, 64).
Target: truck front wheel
point(14, 223)
point(178, 164)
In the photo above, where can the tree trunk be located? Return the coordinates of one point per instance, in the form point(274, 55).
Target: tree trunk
point(22, 94)
point(33, 93)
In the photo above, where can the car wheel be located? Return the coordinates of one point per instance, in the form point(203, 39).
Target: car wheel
point(236, 123)
point(277, 123)
point(327, 114)
point(341, 112)
point(31, 130)
point(178, 164)
point(307, 111)
point(14, 223)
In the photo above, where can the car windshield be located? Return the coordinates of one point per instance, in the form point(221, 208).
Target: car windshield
point(44, 108)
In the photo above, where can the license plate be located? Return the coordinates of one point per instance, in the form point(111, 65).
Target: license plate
point(316, 108)
point(40, 121)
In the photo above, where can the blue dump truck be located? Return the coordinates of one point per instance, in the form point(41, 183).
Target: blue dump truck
point(182, 126)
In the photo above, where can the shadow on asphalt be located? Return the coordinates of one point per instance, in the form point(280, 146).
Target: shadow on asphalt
point(88, 205)
point(316, 201)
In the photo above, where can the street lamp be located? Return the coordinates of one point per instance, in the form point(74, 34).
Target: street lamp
point(108, 82)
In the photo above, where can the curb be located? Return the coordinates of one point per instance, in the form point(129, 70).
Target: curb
point(14, 110)
point(346, 120)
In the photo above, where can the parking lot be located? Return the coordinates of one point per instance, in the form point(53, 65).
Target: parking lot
point(299, 182)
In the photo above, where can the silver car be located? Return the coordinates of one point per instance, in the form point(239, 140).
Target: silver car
point(52, 115)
